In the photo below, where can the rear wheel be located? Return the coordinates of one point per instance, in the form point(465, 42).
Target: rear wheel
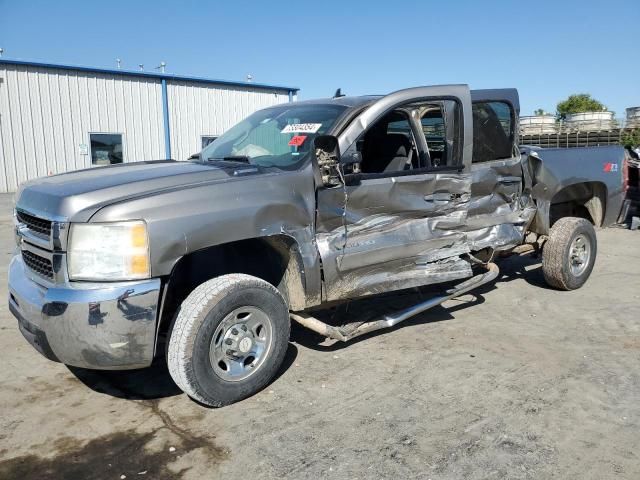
point(229, 339)
point(570, 253)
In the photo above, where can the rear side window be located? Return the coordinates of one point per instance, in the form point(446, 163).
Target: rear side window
point(492, 131)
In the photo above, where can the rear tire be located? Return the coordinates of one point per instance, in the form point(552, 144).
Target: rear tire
point(229, 339)
point(569, 254)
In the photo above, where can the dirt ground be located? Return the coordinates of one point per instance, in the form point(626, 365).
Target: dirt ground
point(516, 381)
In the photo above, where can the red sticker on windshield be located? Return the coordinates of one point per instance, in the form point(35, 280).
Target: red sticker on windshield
point(297, 140)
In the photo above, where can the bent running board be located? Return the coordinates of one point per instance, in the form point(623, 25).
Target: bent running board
point(351, 331)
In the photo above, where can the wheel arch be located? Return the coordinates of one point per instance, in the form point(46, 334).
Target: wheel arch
point(275, 259)
point(581, 199)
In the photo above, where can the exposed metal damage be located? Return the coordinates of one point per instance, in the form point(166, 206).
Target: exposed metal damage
point(438, 218)
point(350, 331)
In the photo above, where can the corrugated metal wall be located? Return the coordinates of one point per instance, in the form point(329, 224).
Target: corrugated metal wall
point(198, 110)
point(46, 114)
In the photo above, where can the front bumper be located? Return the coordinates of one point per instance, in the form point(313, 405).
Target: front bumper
point(109, 326)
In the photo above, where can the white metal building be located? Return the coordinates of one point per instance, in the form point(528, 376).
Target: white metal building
point(56, 118)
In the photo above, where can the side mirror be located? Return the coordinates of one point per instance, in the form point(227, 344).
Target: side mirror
point(327, 152)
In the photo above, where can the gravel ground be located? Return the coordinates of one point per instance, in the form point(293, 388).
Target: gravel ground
point(517, 381)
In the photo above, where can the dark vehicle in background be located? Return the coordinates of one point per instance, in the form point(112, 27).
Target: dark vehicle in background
point(631, 181)
point(297, 207)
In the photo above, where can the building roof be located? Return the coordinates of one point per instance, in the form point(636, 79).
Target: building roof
point(154, 75)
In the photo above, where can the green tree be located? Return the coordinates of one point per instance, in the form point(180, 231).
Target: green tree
point(578, 103)
point(631, 139)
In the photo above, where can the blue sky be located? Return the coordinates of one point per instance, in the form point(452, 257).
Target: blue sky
point(547, 49)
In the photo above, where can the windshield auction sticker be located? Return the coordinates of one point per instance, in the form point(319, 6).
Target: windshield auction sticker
point(302, 128)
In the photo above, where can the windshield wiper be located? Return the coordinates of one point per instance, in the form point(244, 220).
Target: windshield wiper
point(234, 158)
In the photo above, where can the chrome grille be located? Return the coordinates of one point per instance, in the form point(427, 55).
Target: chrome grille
point(38, 264)
point(35, 224)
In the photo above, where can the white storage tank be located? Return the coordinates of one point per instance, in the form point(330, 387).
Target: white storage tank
point(538, 125)
point(633, 117)
point(590, 121)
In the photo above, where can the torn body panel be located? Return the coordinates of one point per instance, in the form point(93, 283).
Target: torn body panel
point(395, 232)
point(355, 329)
point(501, 207)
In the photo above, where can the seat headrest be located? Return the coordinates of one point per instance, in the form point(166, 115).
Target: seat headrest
point(396, 145)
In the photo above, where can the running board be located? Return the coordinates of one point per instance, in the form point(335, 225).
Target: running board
point(351, 331)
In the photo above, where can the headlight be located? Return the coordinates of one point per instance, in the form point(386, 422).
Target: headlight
point(108, 251)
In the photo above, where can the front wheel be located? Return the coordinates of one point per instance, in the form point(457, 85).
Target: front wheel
point(229, 339)
point(570, 253)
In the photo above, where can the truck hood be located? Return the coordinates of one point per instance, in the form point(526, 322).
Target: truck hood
point(76, 196)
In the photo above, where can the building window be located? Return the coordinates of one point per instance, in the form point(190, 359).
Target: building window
point(106, 148)
point(207, 139)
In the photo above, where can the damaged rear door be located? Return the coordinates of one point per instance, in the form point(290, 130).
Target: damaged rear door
point(399, 222)
point(500, 207)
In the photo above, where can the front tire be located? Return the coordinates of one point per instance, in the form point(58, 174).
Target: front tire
point(569, 254)
point(229, 339)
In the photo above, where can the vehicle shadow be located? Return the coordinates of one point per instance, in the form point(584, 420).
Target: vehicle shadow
point(370, 309)
point(149, 383)
point(525, 267)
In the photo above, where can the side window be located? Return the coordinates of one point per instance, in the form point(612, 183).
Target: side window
point(492, 131)
point(388, 146)
point(106, 148)
point(395, 143)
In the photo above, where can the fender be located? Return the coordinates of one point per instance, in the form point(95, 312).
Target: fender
point(261, 205)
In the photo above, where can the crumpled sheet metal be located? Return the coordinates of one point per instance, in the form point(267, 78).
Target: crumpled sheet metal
point(501, 206)
point(414, 242)
point(422, 238)
point(389, 252)
point(397, 275)
point(503, 227)
point(428, 223)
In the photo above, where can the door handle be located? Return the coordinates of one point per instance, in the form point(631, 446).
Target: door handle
point(442, 197)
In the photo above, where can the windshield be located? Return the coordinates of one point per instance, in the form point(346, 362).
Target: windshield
point(275, 137)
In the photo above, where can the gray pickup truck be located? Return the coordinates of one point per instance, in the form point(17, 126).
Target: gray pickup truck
point(297, 207)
